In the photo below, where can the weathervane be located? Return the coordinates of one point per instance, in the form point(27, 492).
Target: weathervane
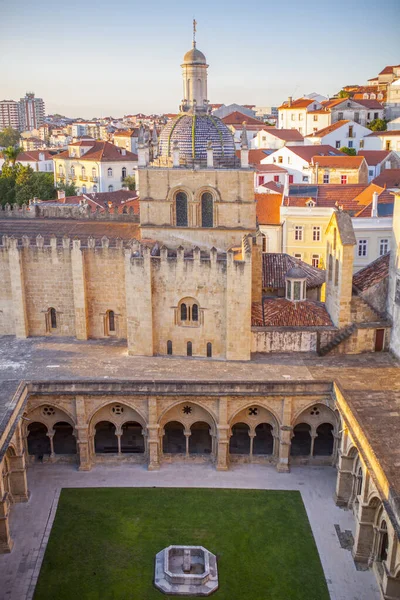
point(194, 33)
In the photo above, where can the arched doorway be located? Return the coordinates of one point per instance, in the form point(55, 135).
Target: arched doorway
point(301, 440)
point(38, 440)
point(323, 443)
point(105, 440)
point(200, 441)
point(174, 441)
point(132, 440)
point(64, 441)
point(239, 442)
point(263, 443)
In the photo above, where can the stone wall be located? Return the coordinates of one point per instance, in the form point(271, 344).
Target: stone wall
point(284, 339)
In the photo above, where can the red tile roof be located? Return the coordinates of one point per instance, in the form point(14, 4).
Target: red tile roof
point(307, 152)
point(299, 103)
point(255, 156)
point(274, 187)
point(288, 135)
point(276, 265)
point(279, 312)
point(127, 133)
point(32, 155)
point(388, 178)
point(326, 195)
point(268, 208)
point(373, 157)
point(339, 162)
point(372, 273)
point(371, 104)
point(237, 118)
point(270, 168)
point(102, 152)
point(388, 70)
point(385, 197)
point(390, 132)
point(120, 199)
point(329, 129)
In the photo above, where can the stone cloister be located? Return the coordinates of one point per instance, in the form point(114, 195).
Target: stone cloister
point(272, 428)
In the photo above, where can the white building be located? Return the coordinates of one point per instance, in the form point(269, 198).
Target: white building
point(127, 138)
point(383, 140)
point(94, 166)
point(297, 160)
point(304, 114)
point(276, 138)
point(9, 114)
point(378, 161)
point(340, 134)
point(38, 160)
point(394, 124)
point(31, 112)
point(393, 100)
point(359, 111)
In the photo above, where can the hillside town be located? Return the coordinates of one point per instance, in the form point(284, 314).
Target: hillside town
point(212, 295)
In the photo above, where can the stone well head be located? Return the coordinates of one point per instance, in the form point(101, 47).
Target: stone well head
point(186, 570)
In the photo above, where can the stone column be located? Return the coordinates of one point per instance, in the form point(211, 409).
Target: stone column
point(344, 481)
point(153, 436)
point(6, 542)
point(79, 290)
point(363, 549)
point(50, 435)
point(313, 436)
point(18, 290)
point(18, 480)
point(119, 435)
point(251, 436)
point(283, 465)
point(222, 458)
point(82, 435)
point(187, 436)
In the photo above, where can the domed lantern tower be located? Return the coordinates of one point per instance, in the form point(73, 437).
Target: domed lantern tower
point(194, 72)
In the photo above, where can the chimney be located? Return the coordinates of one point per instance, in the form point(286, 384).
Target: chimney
point(123, 151)
point(289, 103)
point(175, 155)
point(286, 187)
point(374, 212)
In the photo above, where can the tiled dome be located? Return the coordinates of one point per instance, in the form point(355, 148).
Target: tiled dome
point(193, 132)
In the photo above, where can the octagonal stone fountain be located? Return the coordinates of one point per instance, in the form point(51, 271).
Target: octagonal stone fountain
point(186, 571)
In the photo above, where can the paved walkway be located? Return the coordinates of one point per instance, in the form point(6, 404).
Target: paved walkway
point(31, 522)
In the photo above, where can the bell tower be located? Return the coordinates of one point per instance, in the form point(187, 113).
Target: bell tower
point(194, 72)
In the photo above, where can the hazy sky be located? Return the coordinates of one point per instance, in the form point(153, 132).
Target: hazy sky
point(96, 57)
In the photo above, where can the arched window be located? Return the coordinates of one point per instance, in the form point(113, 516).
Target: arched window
point(110, 188)
point(84, 189)
point(95, 188)
point(109, 172)
point(72, 170)
point(207, 210)
point(94, 172)
point(51, 319)
point(195, 312)
point(181, 206)
point(209, 349)
point(111, 321)
point(189, 349)
point(123, 172)
point(83, 172)
point(359, 481)
point(169, 347)
point(183, 312)
point(384, 545)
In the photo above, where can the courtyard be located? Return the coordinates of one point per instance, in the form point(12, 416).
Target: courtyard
point(100, 511)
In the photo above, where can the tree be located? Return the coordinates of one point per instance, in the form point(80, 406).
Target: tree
point(378, 125)
point(349, 151)
point(9, 137)
point(43, 186)
point(69, 189)
point(11, 154)
point(343, 94)
point(129, 182)
point(7, 190)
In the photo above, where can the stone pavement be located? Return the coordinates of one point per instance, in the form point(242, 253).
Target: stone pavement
point(31, 522)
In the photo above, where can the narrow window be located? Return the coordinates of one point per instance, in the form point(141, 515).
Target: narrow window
point(326, 177)
point(334, 239)
point(189, 348)
point(330, 267)
point(181, 203)
point(207, 209)
point(336, 272)
point(123, 172)
point(298, 233)
point(383, 247)
point(169, 347)
point(316, 234)
point(109, 172)
point(315, 260)
point(53, 318)
point(111, 321)
point(195, 312)
point(343, 179)
point(209, 350)
point(362, 248)
point(183, 312)
point(110, 188)
point(95, 189)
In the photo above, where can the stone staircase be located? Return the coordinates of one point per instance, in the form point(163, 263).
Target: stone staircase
point(341, 336)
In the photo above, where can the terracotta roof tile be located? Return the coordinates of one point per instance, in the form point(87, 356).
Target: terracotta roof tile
point(372, 273)
point(238, 118)
point(255, 156)
point(307, 152)
point(329, 129)
point(299, 103)
point(389, 178)
point(268, 208)
point(288, 135)
point(338, 162)
point(102, 152)
point(374, 157)
point(326, 195)
point(277, 264)
point(279, 312)
point(389, 133)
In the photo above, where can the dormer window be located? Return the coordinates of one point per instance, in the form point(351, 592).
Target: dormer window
point(296, 285)
point(310, 203)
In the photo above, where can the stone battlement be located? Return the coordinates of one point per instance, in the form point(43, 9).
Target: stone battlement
point(56, 210)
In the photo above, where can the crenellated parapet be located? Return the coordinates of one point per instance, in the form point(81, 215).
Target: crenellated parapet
point(57, 210)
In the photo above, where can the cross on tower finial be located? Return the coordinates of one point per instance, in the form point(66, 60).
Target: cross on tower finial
point(194, 33)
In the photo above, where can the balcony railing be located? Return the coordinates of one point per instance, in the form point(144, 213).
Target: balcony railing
point(72, 177)
point(94, 179)
point(83, 177)
point(60, 176)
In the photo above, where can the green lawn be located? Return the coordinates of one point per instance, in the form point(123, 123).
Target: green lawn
point(104, 540)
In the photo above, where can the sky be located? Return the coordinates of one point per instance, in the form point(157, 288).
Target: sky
point(92, 58)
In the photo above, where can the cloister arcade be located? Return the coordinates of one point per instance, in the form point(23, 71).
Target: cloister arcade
point(376, 542)
point(185, 430)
